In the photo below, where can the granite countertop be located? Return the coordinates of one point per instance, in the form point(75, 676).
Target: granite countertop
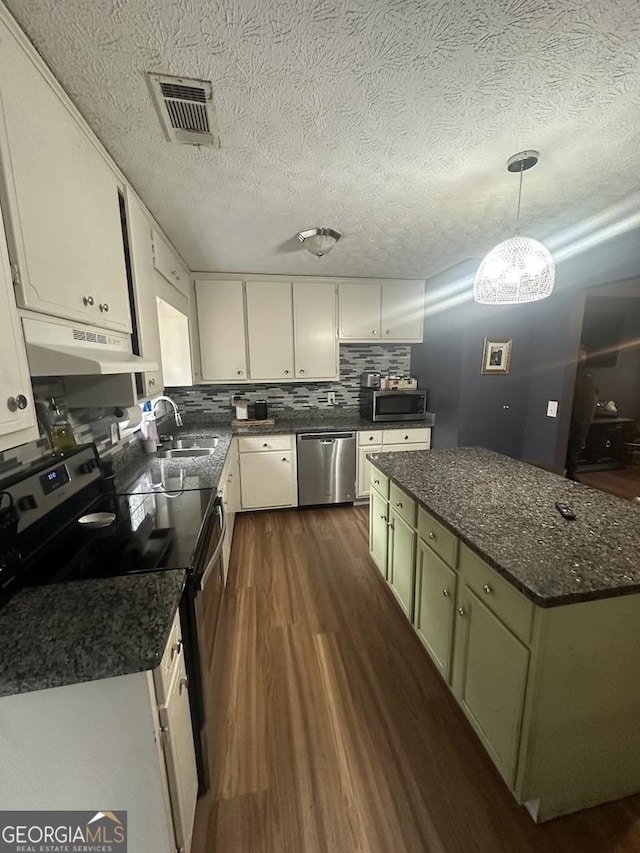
point(504, 510)
point(86, 630)
point(143, 472)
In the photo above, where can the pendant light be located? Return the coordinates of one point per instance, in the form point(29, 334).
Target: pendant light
point(519, 269)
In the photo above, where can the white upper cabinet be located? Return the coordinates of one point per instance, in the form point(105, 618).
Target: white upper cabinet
point(168, 264)
point(221, 329)
point(388, 312)
point(270, 330)
point(17, 412)
point(402, 311)
point(359, 311)
point(146, 307)
point(314, 328)
point(61, 197)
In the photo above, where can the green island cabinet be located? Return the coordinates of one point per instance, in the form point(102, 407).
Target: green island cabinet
point(553, 693)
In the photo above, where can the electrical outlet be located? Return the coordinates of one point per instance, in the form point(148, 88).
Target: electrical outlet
point(331, 398)
point(552, 409)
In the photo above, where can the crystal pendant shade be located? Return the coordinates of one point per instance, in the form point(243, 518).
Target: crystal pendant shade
point(518, 270)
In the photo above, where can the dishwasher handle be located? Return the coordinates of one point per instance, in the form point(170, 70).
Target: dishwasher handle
point(326, 437)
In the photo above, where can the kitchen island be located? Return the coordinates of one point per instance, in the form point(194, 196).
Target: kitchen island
point(531, 619)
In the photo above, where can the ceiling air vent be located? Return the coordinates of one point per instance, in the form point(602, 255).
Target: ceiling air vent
point(185, 108)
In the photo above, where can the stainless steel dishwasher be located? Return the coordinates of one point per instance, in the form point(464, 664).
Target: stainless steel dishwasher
point(326, 468)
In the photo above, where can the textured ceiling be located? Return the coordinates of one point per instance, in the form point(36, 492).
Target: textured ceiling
point(390, 120)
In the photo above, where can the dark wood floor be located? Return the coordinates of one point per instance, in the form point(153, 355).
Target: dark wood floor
point(337, 735)
point(623, 482)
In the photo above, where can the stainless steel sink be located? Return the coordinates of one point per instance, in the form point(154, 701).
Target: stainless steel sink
point(176, 452)
point(188, 447)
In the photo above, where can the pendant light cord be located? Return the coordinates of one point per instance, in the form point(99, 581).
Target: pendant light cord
point(519, 199)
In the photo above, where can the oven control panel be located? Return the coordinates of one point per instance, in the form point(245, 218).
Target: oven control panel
point(53, 483)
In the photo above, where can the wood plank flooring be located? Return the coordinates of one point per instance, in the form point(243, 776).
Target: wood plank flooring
point(335, 733)
point(623, 482)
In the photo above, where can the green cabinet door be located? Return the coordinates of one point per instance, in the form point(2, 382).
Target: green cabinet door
point(379, 530)
point(434, 606)
point(402, 558)
point(489, 678)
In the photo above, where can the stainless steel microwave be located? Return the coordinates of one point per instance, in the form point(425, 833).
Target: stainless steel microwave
point(397, 405)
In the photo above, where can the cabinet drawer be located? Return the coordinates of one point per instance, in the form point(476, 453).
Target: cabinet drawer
point(438, 538)
point(379, 482)
point(173, 652)
point(370, 437)
point(401, 503)
point(254, 443)
point(406, 436)
point(499, 595)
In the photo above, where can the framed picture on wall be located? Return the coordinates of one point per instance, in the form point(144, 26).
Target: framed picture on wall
point(496, 356)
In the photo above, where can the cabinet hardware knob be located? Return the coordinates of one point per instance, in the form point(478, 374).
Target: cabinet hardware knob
point(446, 592)
point(240, 373)
point(302, 371)
point(399, 503)
point(377, 482)
point(177, 648)
point(432, 535)
point(383, 517)
point(284, 458)
point(18, 402)
point(104, 307)
point(406, 438)
point(373, 332)
point(184, 682)
point(286, 372)
point(265, 444)
point(371, 439)
point(152, 382)
point(87, 300)
point(460, 611)
point(487, 589)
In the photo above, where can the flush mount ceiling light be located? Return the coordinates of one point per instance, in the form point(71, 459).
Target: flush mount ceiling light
point(319, 241)
point(519, 269)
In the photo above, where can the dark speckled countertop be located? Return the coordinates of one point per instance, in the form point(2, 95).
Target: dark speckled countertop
point(86, 630)
point(505, 511)
point(138, 471)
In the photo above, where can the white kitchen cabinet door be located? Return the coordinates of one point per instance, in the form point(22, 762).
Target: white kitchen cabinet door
point(402, 311)
point(221, 329)
point(182, 775)
point(359, 311)
point(268, 479)
point(168, 264)
point(315, 333)
point(64, 229)
point(144, 289)
point(17, 425)
point(270, 330)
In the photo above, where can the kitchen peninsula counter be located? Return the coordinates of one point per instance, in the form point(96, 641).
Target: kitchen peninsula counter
point(505, 511)
point(532, 620)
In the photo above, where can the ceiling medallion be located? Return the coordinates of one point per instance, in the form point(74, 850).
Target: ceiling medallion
point(519, 269)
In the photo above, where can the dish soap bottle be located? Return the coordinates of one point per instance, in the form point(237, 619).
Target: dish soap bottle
point(60, 429)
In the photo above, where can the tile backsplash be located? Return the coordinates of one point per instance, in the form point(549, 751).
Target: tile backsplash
point(354, 359)
point(95, 424)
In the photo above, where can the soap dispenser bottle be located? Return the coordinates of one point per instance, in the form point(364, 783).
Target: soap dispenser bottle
point(60, 429)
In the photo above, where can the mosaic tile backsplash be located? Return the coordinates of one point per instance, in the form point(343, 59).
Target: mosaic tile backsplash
point(354, 359)
point(294, 398)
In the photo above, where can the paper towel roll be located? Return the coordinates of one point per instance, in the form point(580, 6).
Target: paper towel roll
point(129, 418)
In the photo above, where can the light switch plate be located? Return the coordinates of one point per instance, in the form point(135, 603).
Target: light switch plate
point(331, 398)
point(552, 409)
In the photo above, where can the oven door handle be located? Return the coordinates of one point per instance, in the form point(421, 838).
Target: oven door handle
point(219, 509)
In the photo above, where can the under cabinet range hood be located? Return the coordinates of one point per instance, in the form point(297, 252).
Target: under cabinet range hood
point(58, 348)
